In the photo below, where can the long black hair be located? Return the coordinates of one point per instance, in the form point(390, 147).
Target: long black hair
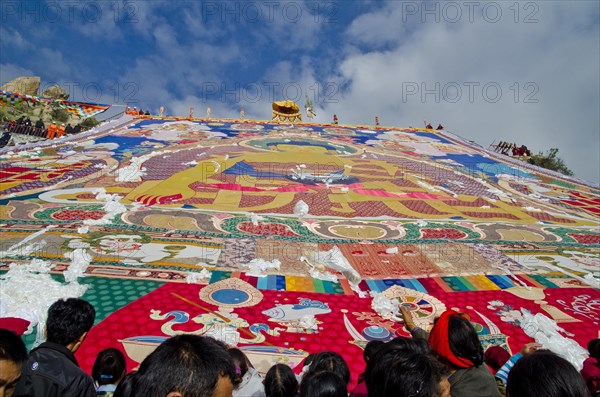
point(404, 369)
point(126, 385)
point(544, 374)
point(240, 361)
point(280, 381)
point(331, 362)
point(463, 340)
point(323, 384)
point(109, 367)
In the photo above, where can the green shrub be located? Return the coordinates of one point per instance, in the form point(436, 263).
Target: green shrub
point(551, 161)
point(59, 115)
point(4, 116)
point(88, 123)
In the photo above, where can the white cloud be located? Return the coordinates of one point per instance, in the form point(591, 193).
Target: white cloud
point(10, 71)
point(284, 80)
point(56, 66)
point(9, 37)
point(380, 28)
point(178, 71)
point(101, 20)
point(558, 56)
point(145, 15)
point(294, 25)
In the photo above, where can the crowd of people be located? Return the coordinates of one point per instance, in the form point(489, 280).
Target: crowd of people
point(504, 148)
point(24, 126)
point(448, 361)
point(136, 112)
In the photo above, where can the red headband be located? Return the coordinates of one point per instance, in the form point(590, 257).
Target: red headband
point(439, 341)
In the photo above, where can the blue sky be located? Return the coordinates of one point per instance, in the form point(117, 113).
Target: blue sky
point(526, 72)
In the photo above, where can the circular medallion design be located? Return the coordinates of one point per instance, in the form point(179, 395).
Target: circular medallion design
point(376, 333)
point(231, 293)
point(424, 308)
point(230, 296)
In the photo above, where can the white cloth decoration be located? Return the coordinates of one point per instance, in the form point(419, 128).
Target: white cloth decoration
point(546, 332)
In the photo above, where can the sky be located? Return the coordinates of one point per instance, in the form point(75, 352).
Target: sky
point(525, 72)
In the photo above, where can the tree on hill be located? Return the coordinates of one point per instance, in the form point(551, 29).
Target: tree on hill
point(550, 161)
point(88, 123)
point(4, 116)
point(60, 115)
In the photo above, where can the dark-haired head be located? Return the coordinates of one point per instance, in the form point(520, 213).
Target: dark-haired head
point(594, 348)
point(241, 362)
point(12, 347)
point(399, 370)
point(454, 340)
point(414, 345)
point(126, 385)
point(12, 356)
point(464, 341)
point(323, 384)
point(186, 365)
point(371, 348)
point(109, 367)
point(544, 374)
point(280, 381)
point(331, 362)
point(401, 345)
point(68, 321)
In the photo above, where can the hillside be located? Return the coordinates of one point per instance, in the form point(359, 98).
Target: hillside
point(47, 113)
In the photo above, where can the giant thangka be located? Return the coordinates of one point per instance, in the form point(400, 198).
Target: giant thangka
point(287, 240)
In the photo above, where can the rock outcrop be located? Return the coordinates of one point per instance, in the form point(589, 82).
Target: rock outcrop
point(23, 85)
point(56, 92)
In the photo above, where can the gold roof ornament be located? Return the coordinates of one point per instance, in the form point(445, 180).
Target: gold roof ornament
point(286, 112)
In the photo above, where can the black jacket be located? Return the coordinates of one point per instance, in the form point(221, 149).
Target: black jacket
point(53, 371)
